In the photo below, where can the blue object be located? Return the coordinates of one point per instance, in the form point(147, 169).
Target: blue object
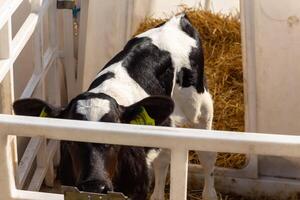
point(75, 11)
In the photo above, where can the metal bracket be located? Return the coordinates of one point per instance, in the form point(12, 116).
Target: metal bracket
point(72, 193)
point(66, 4)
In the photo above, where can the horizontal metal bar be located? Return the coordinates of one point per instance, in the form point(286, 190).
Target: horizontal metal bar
point(278, 188)
point(28, 195)
point(166, 137)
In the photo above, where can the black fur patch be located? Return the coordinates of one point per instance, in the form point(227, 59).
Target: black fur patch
point(150, 67)
point(186, 77)
point(65, 171)
point(197, 64)
point(194, 76)
point(132, 174)
point(90, 165)
point(167, 122)
point(120, 56)
point(188, 28)
point(101, 79)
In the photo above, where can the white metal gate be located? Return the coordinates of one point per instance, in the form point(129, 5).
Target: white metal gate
point(46, 57)
point(178, 140)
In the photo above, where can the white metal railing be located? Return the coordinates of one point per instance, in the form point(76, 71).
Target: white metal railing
point(178, 140)
point(44, 58)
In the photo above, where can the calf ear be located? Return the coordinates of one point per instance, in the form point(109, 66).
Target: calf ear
point(35, 107)
point(158, 107)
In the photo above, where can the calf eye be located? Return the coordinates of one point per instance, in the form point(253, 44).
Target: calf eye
point(108, 118)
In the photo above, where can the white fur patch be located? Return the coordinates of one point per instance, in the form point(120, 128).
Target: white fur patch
point(122, 87)
point(198, 114)
point(94, 109)
point(171, 38)
point(152, 154)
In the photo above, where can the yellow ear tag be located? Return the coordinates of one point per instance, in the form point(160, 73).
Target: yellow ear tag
point(142, 118)
point(43, 113)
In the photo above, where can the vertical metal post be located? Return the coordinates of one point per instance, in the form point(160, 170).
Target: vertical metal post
point(54, 43)
point(5, 95)
point(53, 25)
point(249, 73)
point(179, 171)
point(207, 5)
point(6, 92)
point(38, 43)
point(53, 78)
point(6, 182)
point(69, 62)
point(8, 158)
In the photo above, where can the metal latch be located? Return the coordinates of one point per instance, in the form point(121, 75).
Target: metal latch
point(65, 4)
point(72, 193)
point(68, 4)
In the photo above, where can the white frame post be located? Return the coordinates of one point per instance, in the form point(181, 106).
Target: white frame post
point(179, 173)
point(69, 61)
point(7, 143)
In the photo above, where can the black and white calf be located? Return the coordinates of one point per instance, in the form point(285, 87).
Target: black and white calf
point(156, 68)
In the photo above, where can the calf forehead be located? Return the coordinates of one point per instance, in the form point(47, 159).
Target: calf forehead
point(93, 109)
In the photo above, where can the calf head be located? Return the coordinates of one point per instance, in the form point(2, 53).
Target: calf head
point(90, 166)
point(97, 107)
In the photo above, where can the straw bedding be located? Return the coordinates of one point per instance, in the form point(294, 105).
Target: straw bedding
point(221, 40)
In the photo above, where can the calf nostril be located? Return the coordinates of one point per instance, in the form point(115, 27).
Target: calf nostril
point(104, 189)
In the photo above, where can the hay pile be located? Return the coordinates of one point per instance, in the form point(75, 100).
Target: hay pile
point(221, 39)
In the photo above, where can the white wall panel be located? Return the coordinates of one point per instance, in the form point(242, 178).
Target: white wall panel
point(272, 73)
